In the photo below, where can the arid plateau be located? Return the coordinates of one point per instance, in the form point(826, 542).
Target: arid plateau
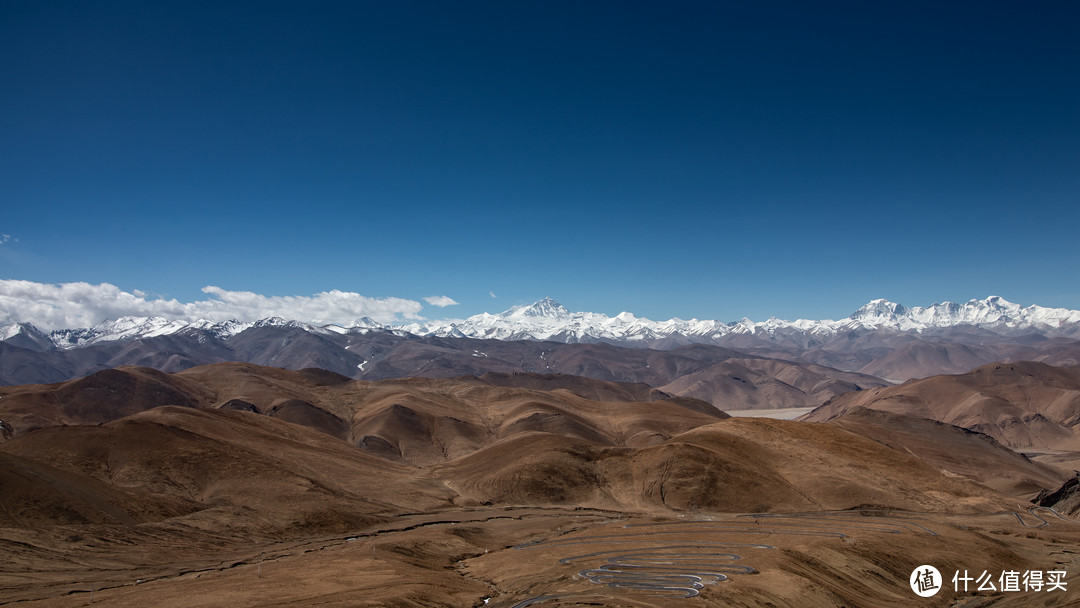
point(234, 484)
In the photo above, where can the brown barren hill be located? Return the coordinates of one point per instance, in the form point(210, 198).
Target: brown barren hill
point(292, 477)
point(413, 420)
point(1022, 405)
point(423, 422)
point(735, 465)
point(306, 488)
point(597, 390)
point(919, 359)
point(36, 494)
point(100, 397)
point(738, 384)
point(953, 449)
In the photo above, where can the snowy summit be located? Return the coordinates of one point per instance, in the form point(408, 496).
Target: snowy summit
point(547, 319)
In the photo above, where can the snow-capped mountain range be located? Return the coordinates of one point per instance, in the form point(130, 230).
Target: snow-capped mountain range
point(549, 320)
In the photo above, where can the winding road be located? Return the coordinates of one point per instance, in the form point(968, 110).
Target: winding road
point(677, 568)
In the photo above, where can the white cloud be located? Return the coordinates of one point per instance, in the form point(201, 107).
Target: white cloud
point(68, 305)
point(5, 238)
point(492, 294)
point(440, 301)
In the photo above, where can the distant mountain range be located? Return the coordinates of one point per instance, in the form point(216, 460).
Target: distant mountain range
point(548, 320)
point(738, 365)
point(202, 481)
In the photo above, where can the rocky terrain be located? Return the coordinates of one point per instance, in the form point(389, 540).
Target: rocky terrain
point(1026, 406)
point(237, 484)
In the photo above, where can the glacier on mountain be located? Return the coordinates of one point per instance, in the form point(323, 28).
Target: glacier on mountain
point(549, 320)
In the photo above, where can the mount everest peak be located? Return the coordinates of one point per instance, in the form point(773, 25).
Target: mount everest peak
point(546, 308)
point(879, 309)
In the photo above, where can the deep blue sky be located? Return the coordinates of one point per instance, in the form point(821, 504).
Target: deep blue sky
point(692, 159)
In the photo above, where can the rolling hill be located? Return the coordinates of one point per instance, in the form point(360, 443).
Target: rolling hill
point(1025, 405)
point(196, 483)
